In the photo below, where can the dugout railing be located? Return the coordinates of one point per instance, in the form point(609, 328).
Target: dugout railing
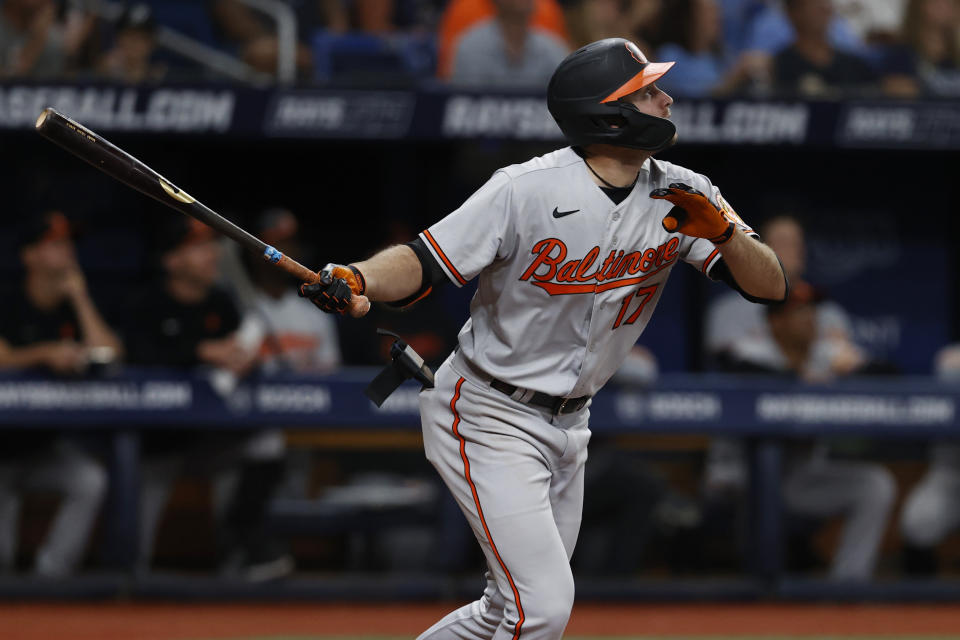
point(763, 411)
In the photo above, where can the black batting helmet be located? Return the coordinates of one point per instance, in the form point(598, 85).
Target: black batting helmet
point(584, 97)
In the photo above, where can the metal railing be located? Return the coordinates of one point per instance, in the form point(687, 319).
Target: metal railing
point(286, 21)
point(218, 61)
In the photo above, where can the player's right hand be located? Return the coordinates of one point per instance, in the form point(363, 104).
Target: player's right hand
point(338, 289)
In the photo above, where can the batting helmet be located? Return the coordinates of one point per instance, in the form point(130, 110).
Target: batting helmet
point(584, 97)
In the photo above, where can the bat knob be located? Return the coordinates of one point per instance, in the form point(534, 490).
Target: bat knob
point(359, 306)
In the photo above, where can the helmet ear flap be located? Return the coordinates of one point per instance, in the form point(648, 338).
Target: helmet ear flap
point(611, 121)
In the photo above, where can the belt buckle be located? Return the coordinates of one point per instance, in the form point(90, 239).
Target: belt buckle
point(562, 406)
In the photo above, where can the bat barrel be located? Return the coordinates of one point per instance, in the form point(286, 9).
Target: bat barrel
point(119, 164)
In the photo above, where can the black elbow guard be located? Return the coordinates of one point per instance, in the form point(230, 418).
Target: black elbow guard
point(721, 272)
point(433, 275)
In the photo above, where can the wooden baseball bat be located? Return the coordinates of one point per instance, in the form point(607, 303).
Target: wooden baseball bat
point(120, 165)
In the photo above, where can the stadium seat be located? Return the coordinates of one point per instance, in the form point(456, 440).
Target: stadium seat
point(338, 55)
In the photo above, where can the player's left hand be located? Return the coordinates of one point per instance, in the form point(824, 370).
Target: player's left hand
point(693, 214)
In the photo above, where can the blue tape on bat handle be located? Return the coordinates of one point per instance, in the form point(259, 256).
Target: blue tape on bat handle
point(272, 255)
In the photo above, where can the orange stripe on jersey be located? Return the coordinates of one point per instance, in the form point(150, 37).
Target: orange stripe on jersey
point(443, 256)
point(706, 263)
point(476, 501)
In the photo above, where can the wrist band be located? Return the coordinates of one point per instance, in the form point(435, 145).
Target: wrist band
point(360, 279)
point(724, 237)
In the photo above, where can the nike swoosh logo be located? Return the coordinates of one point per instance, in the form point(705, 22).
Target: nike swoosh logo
point(560, 214)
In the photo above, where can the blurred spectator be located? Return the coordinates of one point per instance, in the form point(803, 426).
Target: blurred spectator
point(31, 39)
point(53, 325)
point(768, 27)
point(729, 317)
point(809, 338)
point(460, 15)
point(505, 51)
point(692, 33)
point(931, 511)
point(873, 21)
point(927, 57)
point(816, 485)
point(253, 35)
point(794, 342)
point(187, 322)
point(811, 66)
point(38, 38)
point(131, 58)
point(294, 338)
point(591, 20)
point(373, 16)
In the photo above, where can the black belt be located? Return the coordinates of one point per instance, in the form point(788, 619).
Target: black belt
point(554, 404)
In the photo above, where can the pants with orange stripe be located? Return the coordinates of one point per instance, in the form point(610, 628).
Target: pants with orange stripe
point(517, 474)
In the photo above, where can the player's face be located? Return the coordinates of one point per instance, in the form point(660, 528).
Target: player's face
point(651, 101)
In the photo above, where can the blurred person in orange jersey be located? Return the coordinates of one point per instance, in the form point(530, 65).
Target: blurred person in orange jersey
point(460, 15)
point(52, 324)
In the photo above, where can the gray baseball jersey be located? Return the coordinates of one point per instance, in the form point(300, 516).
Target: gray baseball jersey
point(568, 279)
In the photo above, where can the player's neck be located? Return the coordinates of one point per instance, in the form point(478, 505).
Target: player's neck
point(617, 166)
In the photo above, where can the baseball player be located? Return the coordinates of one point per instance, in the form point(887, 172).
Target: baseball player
point(572, 250)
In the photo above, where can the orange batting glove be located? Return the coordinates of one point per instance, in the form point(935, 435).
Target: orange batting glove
point(338, 289)
point(694, 214)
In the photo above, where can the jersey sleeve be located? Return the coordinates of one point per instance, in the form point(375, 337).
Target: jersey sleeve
point(700, 253)
point(476, 234)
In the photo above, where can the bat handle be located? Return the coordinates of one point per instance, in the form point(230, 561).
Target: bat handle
point(359, 305)
point(289, 265)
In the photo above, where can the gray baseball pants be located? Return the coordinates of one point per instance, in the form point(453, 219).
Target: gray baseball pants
point(932, 509)
point(82, 483)
point(517, 473)
point(863, 492)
